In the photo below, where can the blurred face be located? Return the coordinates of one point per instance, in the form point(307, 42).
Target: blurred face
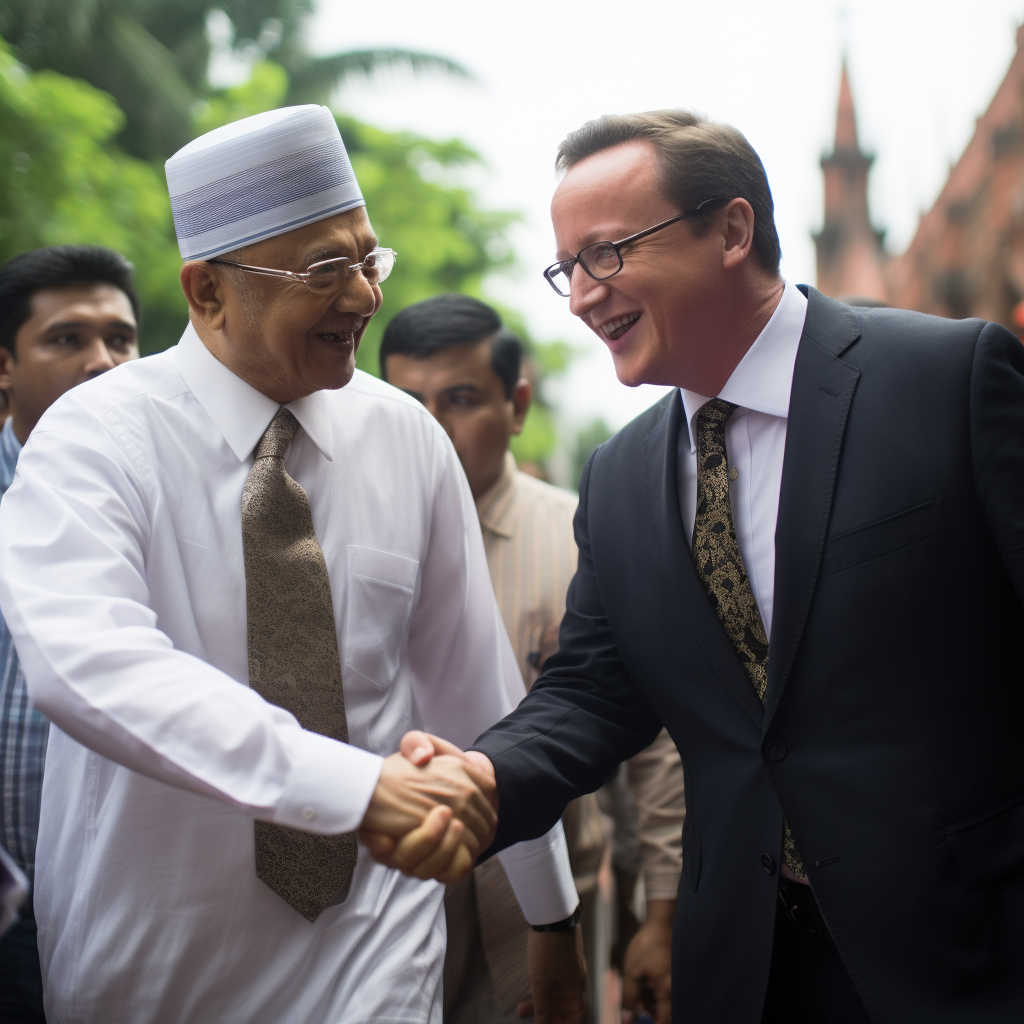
point(654, 315)
point(276, 334)
point(71, 335)
point(462, 392)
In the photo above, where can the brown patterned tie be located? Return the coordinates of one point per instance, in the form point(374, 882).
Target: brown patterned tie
point(716, 554)
point(293, 659)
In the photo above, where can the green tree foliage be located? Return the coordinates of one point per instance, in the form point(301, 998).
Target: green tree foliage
point(153, 56)
point(62, 181)
point(64, 178)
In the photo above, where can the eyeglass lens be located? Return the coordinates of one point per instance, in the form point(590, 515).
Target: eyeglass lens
point(324, 277)
point(560, 276)
point(601, 259)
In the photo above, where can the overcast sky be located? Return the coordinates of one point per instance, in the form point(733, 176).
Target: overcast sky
point(921, 73)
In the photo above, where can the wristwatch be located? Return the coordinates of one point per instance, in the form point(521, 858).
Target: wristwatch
point(566, 925)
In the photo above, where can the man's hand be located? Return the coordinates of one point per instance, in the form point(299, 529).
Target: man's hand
point(647, 966)
point(419, 747)
point(558, 978)
point(430, 821)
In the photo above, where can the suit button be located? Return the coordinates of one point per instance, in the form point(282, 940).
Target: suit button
point(775, 750)
point(768, 863)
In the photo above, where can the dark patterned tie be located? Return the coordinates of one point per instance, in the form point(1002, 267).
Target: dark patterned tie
point(293, 659)
point(716, 554)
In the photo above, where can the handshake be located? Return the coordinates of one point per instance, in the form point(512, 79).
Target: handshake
point(435, 809)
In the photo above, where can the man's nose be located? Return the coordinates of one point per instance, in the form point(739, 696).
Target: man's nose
point(357, 297)
point(584, 292)
point(98, 358)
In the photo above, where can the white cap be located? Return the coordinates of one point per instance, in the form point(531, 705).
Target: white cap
point(259, 177)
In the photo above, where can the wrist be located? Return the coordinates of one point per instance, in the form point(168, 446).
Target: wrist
point(661, 913)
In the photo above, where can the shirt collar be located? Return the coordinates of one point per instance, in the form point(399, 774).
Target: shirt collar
point(763, 378)
point(496, 506)
point(238, 410)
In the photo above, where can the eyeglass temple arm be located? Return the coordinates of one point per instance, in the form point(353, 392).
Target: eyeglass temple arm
point(266, 271)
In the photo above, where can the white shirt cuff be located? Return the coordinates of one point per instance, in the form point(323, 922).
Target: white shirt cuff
point(329, 786)
point(539, 873)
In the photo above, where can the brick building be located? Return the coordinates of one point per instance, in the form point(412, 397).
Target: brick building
point(967, 257)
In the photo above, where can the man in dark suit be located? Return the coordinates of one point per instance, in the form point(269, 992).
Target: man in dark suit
point(848, 484)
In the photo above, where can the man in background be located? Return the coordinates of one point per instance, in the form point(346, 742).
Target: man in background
point(453, 354)
point(67, 314)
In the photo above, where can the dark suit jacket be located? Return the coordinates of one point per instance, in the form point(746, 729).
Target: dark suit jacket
point(892, 735)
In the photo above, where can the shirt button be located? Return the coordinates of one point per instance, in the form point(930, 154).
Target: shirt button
point(775, 750)
point(733, 473)
point(768, 863)
point(308, 813)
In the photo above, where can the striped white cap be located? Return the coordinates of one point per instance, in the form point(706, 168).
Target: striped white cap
point(259, 177)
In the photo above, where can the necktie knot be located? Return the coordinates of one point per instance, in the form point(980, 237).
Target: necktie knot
point(276, 438)
point(716, 412)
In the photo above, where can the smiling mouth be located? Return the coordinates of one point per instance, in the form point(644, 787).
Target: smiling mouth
point(615, 329)
point(342, 333)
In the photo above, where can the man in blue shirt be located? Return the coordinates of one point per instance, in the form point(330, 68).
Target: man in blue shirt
point(67, 314)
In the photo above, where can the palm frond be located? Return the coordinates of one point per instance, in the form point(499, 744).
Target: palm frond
point(313, 79)
point(151, 64)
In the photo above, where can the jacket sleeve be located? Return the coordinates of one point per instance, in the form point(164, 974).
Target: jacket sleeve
point(997, 442)
point(581, 719)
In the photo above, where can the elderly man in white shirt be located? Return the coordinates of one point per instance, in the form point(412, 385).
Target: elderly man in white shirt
point(178, 533)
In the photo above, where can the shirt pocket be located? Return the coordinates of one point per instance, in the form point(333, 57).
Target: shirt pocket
point(381, 586)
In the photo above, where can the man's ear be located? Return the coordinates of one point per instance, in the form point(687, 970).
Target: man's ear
point(204, 286)
point(521, 398)
point(6, 362)
point(738, 232)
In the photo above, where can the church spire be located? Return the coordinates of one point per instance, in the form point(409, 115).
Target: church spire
point(846, 119)
point(849, 249)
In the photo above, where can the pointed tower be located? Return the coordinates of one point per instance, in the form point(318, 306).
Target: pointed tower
point(850, 256)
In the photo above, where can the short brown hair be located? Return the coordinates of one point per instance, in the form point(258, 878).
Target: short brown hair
point(700, 161)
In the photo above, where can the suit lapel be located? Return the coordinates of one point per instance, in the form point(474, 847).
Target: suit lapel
point(661, 469)
point(823, 387)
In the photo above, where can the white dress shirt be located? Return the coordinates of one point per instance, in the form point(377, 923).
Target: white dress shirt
point(122, 581)
point(755, 443)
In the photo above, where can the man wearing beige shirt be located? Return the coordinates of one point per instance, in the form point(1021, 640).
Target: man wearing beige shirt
point(453, 354)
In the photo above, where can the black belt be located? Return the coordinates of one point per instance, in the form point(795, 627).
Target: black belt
point(799, 908)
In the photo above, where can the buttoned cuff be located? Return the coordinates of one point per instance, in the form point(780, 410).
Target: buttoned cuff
point(329, 786)
point(539, 873)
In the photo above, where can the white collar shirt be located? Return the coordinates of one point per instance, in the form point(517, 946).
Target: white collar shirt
point(755, 443)
point(122, 581)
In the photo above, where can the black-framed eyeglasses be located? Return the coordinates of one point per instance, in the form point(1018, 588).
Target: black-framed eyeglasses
point(326, 276)
point(602, 260)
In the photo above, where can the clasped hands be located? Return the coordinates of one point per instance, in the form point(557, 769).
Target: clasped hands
point(434, 810)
